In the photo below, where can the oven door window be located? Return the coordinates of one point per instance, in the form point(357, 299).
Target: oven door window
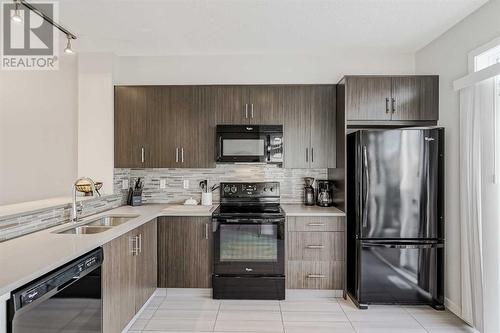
point(243, 147)
point(248, 243)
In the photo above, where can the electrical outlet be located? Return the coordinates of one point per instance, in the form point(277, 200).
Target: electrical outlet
point(186, 184)
point(125, 184)
point(163, 183)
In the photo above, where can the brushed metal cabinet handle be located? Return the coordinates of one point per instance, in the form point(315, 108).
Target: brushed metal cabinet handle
point(177, 155)
point(246, 111)
point(307, 154)
point(315, 246)
point(316, 276)
point(206, 230)
point(316, 224)
point(251, 112)
point(133, 245)
point(140, 243)
point(182, 154)
point(312, 155)
point(387, 105)
point(142, 154)
point(393, 105)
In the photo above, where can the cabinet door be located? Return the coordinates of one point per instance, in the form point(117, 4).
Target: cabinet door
point(323, 144)
point(184, 103)
point(184, 252)
point(367, 98)
point(207, 112)
point(147, 265)
point(118, 283)
point(161, 138)
point(232, 104)
point(415, 98)
point(296, 102)
point(130, 126)
point(264, 104)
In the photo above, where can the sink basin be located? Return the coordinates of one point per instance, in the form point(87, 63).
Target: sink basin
point(85, 230)
point(112, 220)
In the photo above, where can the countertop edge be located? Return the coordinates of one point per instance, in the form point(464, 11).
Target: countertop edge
point(151, 212)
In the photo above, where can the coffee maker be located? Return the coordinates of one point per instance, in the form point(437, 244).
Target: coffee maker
point(309, 192)
point(324, 198)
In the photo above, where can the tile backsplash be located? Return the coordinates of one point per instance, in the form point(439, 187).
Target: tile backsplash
point(21, 224)
point(291, 180)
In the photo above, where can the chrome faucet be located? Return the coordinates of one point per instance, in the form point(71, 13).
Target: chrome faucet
point(74, 217)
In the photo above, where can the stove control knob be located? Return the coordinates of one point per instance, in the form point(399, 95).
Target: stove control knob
point(234, 189)
point(265, 189)
point(226, 188)
point(271, 189)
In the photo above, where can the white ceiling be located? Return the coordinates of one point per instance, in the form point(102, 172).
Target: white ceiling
point(200, 27)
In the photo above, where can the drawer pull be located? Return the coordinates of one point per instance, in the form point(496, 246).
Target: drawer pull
point(316, 276)
point(315, 246)
point(316, 224)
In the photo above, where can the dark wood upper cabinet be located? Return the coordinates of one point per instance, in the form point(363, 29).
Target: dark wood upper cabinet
point(231, 102)
point(368, 98)
point(397, 98)
point(130, 127)
point(264, 106)
point(309, 121)
point(415, 98)
point(297, 126)
point(323, 127)
point(184, 252)
point(174, 126)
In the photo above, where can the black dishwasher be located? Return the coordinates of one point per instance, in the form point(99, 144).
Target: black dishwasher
point(67, 299)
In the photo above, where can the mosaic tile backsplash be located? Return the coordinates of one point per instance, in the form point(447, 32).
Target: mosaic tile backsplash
point(291, 180)
point(21, 224)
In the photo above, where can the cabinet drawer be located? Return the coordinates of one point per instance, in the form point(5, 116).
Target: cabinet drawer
point(320, 246)
point(315, 274)
point(315, 223)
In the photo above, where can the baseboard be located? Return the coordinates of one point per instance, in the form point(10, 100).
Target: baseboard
point(207, 292)
point(137, 315)
point(312, 293)
point(452, 307)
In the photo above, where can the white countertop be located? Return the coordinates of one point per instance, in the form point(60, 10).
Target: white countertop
point(303, 210)
point(28, 257)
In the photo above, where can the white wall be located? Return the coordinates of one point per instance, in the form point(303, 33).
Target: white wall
point(38, 114)
point(258, 69)
point(447, 56)
point(95, 118)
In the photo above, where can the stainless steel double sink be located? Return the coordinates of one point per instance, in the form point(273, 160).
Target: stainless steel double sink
point(97, 225)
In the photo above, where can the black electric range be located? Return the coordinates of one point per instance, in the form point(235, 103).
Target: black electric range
point(249, 242)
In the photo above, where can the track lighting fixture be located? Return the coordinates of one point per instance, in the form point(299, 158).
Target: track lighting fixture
point(17, 14)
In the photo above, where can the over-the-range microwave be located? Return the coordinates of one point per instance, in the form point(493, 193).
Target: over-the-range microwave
point(250, 144)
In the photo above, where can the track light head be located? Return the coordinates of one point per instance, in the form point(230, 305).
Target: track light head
point(68, 49)
point(17, 14)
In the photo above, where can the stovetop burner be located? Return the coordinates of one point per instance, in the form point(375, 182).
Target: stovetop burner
point(258, 199)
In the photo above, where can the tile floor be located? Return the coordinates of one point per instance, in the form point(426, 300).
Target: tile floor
point(195, 312)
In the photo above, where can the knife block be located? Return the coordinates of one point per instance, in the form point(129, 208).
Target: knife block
point(134, 197)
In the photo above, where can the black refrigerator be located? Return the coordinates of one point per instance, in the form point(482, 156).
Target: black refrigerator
point(395, 220)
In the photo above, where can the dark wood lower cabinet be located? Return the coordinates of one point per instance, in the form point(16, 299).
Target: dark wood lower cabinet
point(184, 252)
point(128, 275)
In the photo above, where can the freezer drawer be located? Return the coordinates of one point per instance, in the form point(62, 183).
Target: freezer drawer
point(401, 273)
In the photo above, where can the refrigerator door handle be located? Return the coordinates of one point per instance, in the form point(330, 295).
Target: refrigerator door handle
point(366, 185)
point(404, 246)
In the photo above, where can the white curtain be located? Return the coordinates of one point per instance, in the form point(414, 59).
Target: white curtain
point(479, 207)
